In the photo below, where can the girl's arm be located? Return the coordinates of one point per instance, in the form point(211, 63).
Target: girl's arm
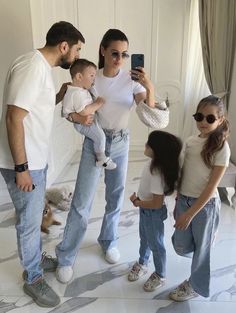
point(183, 221)
point(155, 203)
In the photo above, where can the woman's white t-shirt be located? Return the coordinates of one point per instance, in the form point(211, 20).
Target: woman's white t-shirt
point(118, 93)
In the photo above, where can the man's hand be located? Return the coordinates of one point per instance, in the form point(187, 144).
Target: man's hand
point(24, 181)
point(61, 93)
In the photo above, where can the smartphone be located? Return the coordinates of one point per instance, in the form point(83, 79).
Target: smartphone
point(136, 60)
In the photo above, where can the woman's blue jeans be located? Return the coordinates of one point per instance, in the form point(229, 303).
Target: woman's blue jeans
point(117, 146)
point(29, 211)
point(151, 232)
point(196, 240)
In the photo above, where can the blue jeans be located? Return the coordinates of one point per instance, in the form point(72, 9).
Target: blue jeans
point(117, 146)
point(29, 211)
point(196, 240)
point(151, 232)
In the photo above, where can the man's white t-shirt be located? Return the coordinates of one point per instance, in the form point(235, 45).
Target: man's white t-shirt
point(150, 183)
point(29, 85)
point(195, 173)
point(118, 93)
point(75, 100)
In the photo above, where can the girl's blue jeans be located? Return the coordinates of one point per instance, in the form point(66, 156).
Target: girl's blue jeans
point(151, 232)
point(117, 147)
point(29, 211)
point(196, 240)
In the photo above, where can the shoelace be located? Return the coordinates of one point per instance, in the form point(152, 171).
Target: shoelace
point(42, 286)
point(136, 269)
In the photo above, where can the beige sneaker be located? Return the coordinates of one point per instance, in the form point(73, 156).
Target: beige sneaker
point(153, 282)
point(183, 292)
point(137, 271)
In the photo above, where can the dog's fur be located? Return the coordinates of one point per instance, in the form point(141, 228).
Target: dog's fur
point(48, 219)
point(60, 197)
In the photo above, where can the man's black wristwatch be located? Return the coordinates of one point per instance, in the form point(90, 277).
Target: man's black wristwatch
point(21, 167)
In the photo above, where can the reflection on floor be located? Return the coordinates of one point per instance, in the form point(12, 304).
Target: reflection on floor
point(100, 287)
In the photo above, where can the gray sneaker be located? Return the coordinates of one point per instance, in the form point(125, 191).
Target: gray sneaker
point(48, 264)
point(42, 293)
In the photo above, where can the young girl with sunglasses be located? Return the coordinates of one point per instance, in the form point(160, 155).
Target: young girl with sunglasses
point(121, 93)
point(206, 157)
point(158, 179)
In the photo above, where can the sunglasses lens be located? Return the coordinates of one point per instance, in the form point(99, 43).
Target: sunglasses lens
point(198, 117)
point(125, 55)
point(211, 118)
point(116, 55)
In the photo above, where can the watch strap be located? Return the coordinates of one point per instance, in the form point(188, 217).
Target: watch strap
point(21, 167)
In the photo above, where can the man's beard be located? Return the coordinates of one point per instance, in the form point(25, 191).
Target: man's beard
point(65, 63)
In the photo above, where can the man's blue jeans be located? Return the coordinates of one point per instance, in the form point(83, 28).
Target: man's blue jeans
point(117, 146)
point(151, 232)
point(196, 240)
point(29, 210)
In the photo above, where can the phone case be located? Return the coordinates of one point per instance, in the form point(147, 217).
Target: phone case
point(137, 60)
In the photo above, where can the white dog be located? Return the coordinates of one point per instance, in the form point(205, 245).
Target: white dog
point(60, 197)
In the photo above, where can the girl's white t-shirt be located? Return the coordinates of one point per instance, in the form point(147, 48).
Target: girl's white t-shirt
point(150, 183)
point(195, 173)
point(118, 93)
point(29, 85)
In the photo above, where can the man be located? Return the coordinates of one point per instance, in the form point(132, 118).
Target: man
point(27, 119)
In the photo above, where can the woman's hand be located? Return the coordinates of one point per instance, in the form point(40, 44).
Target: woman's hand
point(142, 77)
point(84, 120)
point(133, 197)
point(183, 221)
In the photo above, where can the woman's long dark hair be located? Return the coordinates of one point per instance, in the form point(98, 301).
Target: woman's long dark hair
point(109, 36)
point(166, 151)
point(216, 139)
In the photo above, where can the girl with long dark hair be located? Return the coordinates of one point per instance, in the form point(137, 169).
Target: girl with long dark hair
point(159, 178)
point(206, 158)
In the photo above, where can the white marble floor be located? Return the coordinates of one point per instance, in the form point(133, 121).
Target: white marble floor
point(100, 287)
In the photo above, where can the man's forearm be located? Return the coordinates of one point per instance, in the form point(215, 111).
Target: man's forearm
point(16, 138)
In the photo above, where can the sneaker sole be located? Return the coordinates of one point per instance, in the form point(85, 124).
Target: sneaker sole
point(182, 299)
point(39, 303)
point(153, 289)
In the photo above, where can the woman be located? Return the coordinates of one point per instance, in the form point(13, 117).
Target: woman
point(119, 91)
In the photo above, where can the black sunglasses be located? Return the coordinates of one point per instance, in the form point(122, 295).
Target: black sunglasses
point(199, 117)
point(116, 55)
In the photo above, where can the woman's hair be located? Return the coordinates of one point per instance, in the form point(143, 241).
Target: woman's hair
point(63, 31)
point(216, 139)
point(79, 65)
point(166, 151)
point(109, 36)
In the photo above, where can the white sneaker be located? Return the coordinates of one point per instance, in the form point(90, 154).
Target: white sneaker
point(64, 274)
point(137, 271)
point(112, 255)
point(107, 163)
point(183, 292)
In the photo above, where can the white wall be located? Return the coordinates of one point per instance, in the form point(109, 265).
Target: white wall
point(15, 34)
point(16, 38)
point(157, 28)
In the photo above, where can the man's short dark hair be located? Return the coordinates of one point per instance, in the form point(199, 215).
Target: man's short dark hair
point(79, 65)
point(63, 31)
